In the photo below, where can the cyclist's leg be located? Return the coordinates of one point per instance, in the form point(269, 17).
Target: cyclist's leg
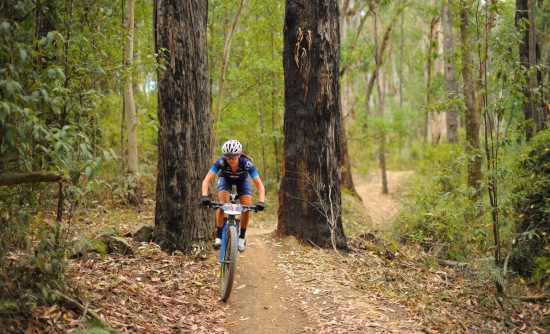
point(224, 189)
point(245, 197)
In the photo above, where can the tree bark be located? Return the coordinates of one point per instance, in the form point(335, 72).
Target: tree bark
point(345, 170)
point(473, 115)
point(428, 117)
point(129, 106)
point(528, 59)
point(185, 139)
point(310, 197)
point(382, 137)
point(449, 61)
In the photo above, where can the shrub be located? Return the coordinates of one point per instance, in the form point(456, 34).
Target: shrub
point(532, 209)
point(436, 212)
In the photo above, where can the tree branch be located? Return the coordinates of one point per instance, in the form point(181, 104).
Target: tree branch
point(68, 301)
point(21, 178)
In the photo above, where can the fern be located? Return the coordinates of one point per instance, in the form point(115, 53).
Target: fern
point(8, 306)
point(541, 270)
point(95, 327)
point(488, 270)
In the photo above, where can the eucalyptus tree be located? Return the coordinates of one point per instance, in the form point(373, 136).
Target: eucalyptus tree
point(310, 205)
point(252, 105)
point(225, 60)
point(473, 113)
point(49, 63)
point(346, 11)
point(450, 79)
point(529, 58)
point(381, 97)
point(129, 104)
point(185, 138)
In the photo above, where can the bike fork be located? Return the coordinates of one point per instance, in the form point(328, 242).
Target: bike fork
point(224, 237)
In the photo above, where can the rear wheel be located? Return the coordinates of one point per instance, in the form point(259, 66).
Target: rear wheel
point(229, 263)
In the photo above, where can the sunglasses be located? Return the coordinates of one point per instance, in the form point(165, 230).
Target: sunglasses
point(231, 156)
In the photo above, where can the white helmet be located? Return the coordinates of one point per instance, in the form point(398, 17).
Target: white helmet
point(232, 147)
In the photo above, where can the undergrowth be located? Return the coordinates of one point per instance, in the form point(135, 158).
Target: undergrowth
point(532, 211)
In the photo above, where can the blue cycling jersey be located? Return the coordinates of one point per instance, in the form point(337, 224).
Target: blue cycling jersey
point(245, 168)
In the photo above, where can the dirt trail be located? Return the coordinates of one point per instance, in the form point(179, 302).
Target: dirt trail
point(258, 303)
point(283, 287)
point(381, 208)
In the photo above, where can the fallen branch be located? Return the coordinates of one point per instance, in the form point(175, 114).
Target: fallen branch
point(75, 305)
point(83, 315)
point(531, 298)
point(21, 178)
point(451, 263)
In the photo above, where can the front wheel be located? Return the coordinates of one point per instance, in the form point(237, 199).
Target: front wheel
point(229, 263)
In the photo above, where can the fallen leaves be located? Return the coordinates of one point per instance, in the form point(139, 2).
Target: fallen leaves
point(157, 295)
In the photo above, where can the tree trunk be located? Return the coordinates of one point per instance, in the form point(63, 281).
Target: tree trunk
point(528, 59)
point(472, 112)
point(370, 86)
point(310, 205)
point(540, 121)
point(428, 119)
point(185, 142)
point(130, 108)
point(345, 170)
point(44, 18)
point(382, 137)
point(225, 61)
point(449, 61)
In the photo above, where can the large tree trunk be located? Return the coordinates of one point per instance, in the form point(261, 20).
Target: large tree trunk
point(130, 108)
point(310, 205)
point(185, 117)
point(472, 112)
point(449, 61)
point(525, 10)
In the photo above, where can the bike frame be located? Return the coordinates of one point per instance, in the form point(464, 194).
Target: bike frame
point(230, 220)
point(231, 212)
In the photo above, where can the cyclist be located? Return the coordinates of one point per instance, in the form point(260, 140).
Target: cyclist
point(233, 169)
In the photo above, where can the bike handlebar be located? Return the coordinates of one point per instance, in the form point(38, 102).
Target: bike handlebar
point(246, 208)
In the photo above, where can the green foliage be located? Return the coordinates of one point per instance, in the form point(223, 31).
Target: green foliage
point(488, 270)
point(252, 107)
point(541, 270)
point(437, 212)
point(95, 327)
point(532, 208)
point(99, 247)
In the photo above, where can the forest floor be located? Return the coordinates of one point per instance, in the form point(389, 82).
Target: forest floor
point(283, 286)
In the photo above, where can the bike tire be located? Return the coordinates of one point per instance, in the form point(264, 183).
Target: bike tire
point(229, 265)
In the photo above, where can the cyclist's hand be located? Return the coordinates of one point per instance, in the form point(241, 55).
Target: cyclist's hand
point(205, 200)
point(260, 206)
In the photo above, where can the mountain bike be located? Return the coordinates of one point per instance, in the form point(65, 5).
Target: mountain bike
point(230, 235)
